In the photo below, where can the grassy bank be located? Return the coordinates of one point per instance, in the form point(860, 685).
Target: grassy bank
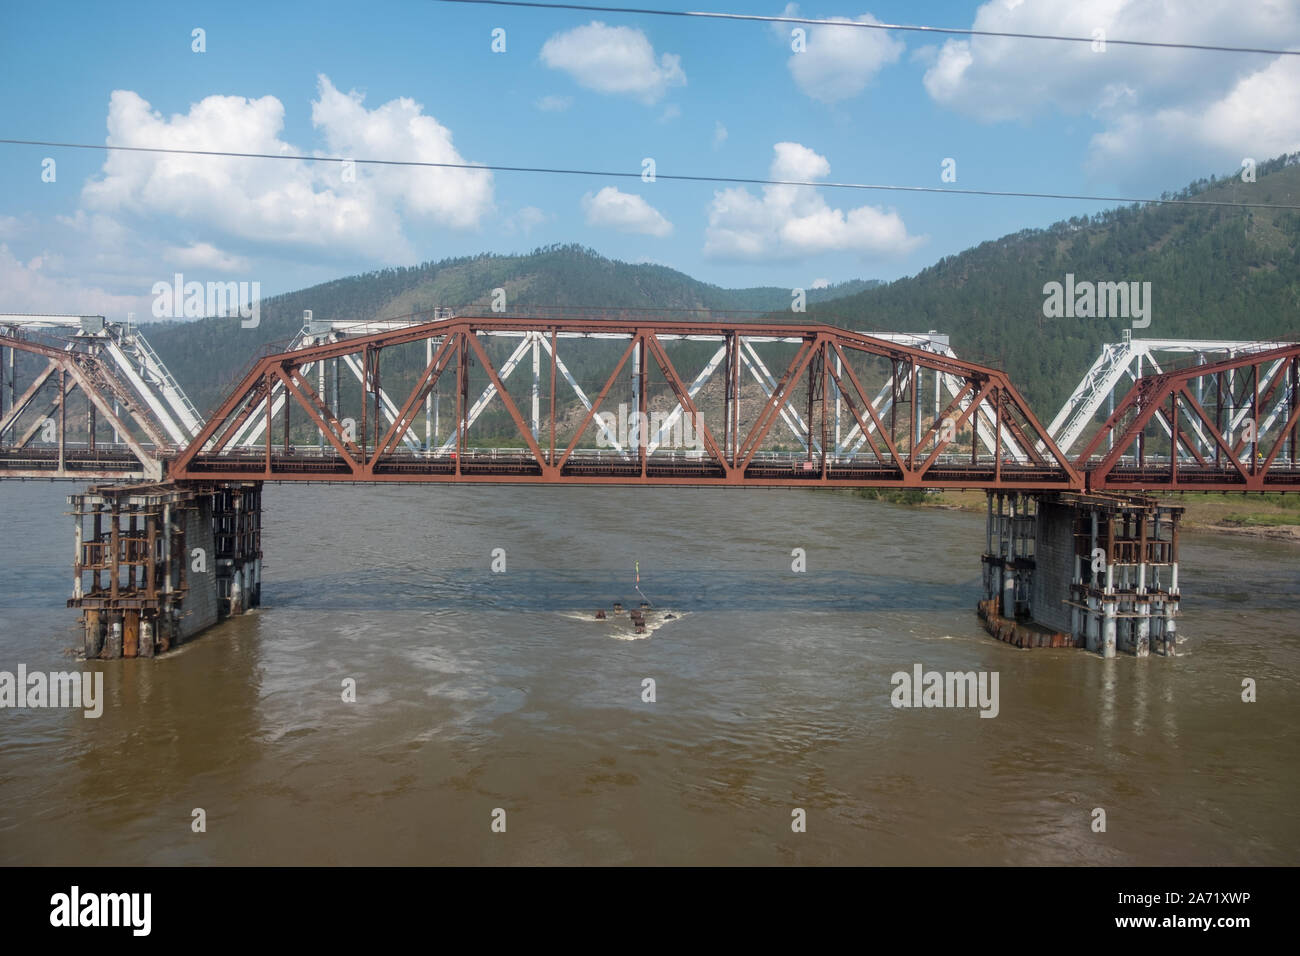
point(1265, 515)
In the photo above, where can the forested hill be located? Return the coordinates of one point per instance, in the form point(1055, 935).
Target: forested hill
point(205, 355)
point(1215, 273)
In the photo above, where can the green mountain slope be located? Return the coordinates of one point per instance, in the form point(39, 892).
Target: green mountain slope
point(1215, 273)
point(207, 355)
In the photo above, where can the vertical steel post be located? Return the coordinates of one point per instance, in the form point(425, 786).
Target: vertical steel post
point(643, 419)
point(77, 555)
point(916, 412)
point(63, 421)
point(839, 374)
point(115, 546)
point(826, 374)
point(365, 402)
point(462, 384)
point(1254, 414)
point(726, 396)
point(551, 460)
point(270, 385)
point(428, 399)
point(537, 379)
point(320, 388)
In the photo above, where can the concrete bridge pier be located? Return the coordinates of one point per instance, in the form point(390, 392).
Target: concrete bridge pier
point(1065, 569)
point(157, 564)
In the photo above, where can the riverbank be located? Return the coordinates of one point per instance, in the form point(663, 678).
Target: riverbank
point(1270, 516)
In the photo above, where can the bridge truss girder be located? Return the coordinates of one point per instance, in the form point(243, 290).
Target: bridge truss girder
point(369, 447)
point(1246, 409)
point(135, 362)
point(72, 370)
point(1125, 360)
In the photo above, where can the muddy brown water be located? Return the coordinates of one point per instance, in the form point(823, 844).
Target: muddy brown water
point(477, 691)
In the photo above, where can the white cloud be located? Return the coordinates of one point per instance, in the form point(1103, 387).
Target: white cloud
point(615, 60)
point(38, 286)
point(671, 112)
point(625, 212)
point(1003, 78)
point(554, 104)
point(789, 222)
point(820, 284)
point(1151, 104)
point(9, 227)
point(719, 134)
point(452, 197)
point(1259, 117)
point(838, 62)
point(204, 255)
point(287, 202)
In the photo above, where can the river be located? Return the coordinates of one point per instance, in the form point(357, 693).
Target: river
point(478, 690)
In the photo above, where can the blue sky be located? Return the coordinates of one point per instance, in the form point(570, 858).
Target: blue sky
point(419, 80)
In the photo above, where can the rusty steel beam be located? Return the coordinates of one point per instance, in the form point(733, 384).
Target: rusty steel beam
point(94, 378)
point(732, 461)
point(1146, 402)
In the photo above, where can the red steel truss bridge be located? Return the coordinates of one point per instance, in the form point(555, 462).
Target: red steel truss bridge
point(630, 401)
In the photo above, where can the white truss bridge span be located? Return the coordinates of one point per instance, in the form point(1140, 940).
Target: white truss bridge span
point(1120, 364)
point(127, 350)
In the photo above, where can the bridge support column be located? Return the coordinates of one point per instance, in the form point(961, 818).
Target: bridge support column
point(1094, 624)
point(157, 564)
point(1084, 570)
point(113, 644)
point(1170, 629)
point(1142, 628)
point(1108, 636)
point(94, 625)
point(237, 538)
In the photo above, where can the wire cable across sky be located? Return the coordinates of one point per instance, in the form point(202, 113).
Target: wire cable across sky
point(914, 28)
point(673, 177)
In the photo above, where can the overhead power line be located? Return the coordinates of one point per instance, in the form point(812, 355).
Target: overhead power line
point(914, 28)
point(675, 177)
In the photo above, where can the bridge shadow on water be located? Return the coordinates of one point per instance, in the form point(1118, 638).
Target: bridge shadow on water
point(401, 589)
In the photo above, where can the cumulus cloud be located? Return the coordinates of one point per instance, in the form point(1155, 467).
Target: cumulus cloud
point(625, 212)
point(838, 62)
point(1259, 117)
point(614, 60)
point(288, 202)
point(1151, 103)
point(789, 222)
point(399, 128)
point(1004, 78)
